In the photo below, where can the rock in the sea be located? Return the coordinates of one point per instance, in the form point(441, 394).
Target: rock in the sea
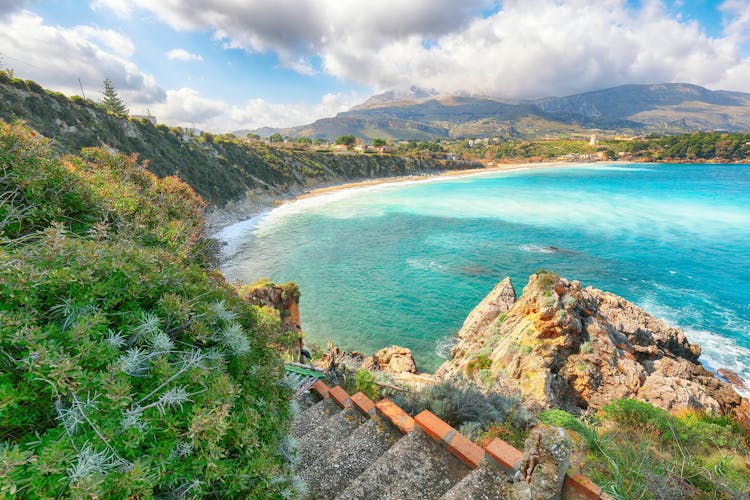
point(545, 462)
point(732, 377)
point(392, 359)
point(576, 348)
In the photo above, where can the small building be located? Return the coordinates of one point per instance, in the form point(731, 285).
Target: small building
point(149, 118)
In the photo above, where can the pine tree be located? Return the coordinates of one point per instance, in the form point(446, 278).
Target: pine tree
point(112, 103)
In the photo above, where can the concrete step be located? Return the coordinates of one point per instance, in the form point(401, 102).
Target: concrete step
point(486, 482)
point(306, 400)
point(313, 417)
point(323, 441)
point(330, 473)
point(416, 467)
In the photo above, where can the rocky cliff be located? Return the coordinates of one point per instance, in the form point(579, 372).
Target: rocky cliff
point(575, 348)
point(284, 298)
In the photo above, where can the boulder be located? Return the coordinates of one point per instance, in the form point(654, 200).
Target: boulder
point(392, 359)
point(732, 378)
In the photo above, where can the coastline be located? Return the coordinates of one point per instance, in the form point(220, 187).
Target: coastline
point(264, 205)
point(253, 206)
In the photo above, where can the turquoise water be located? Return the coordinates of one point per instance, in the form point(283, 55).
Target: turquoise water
point(404, 263)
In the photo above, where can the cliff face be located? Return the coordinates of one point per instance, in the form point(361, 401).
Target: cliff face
point(576, 348)
point(284, 298)
point(220, 168)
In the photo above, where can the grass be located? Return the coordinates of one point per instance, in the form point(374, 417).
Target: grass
point(636, 450)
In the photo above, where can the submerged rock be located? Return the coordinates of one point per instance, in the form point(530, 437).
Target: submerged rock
point(576, 348)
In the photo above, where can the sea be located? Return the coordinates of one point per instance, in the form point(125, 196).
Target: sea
point(404, 263)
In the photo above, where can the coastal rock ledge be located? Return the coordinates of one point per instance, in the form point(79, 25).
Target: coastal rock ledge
point(577, 348)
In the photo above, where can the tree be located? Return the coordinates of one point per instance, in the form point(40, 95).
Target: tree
point(378, 143)
point(346, 140)
point(276, 138)
point(112, 103)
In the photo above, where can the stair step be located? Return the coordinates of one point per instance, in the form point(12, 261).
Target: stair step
point(327, 475)
point(322, 441)
point(415, 467)
point(486, 482)
point(305, 401)
point(314, 417)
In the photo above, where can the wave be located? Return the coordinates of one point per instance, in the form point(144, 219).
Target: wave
point(425, 264)
point(717, 351)
point(536, 249)
point(443, 346)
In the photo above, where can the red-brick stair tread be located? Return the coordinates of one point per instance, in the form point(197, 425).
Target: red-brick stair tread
point(353, 448)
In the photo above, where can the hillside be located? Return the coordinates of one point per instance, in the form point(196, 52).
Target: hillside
point(663, 108)
point(220, 168)
point(129, 367)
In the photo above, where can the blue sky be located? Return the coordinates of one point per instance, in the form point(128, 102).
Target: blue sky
point(230, 64)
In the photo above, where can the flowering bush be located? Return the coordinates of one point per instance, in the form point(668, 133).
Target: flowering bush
point(128, 368)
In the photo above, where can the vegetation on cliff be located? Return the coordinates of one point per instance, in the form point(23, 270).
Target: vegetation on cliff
point(128, 367)
point(221, 168)
point(693, 147)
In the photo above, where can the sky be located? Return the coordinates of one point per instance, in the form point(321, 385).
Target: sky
point(225, 65)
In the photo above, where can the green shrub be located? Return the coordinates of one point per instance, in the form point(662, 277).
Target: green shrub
point(365, 382)
point(460, 402)
point(128, 368)
point(546, 280)
point(477, 363)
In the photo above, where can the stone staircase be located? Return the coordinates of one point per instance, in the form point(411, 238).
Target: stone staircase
point(353, 448)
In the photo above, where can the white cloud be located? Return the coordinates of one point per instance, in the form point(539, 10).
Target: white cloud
point(122, 8)
point(8, 6)
point(57, 57)
point(183, 55)
point(186, 107)
point(118, 43)
point(527, 48)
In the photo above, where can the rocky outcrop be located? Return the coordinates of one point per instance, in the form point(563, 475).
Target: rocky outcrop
point(575, 348)
point(394, 359)
point(471, 335)
point(284, 298)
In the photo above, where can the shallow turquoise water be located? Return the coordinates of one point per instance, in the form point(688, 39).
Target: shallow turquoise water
point(404, 264)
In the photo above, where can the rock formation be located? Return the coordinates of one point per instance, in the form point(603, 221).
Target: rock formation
point(394, 359)
point(576, 348)
point(284, 298)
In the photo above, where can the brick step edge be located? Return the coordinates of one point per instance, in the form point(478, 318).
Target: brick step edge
point(575, 487)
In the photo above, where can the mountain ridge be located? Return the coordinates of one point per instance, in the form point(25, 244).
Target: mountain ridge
point(635, 109)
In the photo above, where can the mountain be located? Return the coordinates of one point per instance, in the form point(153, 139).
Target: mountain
point(637, 109)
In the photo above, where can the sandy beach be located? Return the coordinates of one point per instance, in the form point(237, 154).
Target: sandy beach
point(447, 173)
point(241, 210)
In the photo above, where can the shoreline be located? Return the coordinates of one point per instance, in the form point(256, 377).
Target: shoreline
point(263, 205)
point(251, 207)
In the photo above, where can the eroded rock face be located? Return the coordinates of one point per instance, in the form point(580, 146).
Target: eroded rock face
point(284, 298)
point(574, 348)
point(471, 335)
point(392, 359)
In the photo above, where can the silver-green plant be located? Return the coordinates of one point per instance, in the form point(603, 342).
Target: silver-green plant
point(235, 340)
point(222, 313)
